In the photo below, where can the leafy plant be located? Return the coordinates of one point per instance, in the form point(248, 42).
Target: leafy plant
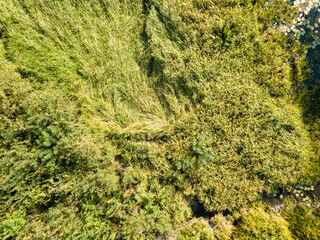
point(225, 32)
point(203, 153)
point(183, 164)
point(12, 224)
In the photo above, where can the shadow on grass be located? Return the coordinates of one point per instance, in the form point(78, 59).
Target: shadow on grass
point(310, 95)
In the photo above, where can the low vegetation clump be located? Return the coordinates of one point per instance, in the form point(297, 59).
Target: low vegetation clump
point(259, 223)
point(304, 222)
point(117, 116)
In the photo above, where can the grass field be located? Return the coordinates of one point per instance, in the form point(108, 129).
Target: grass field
point(118, 117)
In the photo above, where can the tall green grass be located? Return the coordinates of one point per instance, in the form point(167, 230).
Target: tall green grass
point(116, 115)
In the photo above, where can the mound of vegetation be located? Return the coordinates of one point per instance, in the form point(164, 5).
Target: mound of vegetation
point(118, 117)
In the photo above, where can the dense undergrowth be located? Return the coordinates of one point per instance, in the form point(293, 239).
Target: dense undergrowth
point(116, 116)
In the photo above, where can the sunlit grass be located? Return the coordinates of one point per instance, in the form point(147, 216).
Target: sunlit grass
point(116, 115)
